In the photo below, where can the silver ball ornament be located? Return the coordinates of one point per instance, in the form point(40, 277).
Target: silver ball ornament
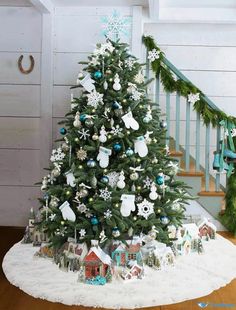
point(95, 137)
point(134, 176)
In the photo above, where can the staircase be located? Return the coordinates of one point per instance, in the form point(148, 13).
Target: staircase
point(191, 142)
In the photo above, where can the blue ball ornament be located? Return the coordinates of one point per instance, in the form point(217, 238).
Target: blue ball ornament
point(159, 179)
point(129, 152)
point(117, 147)
point(116, 105)
point(63, 131)
point(97, 74)
point(164, 220)
point(46, 196)
point(104, 179)
point(91, 163)
point(82, 117)
point(94, 220)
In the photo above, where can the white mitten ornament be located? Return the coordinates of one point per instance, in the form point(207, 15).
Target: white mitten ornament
point(127, 204)
point(103, 135)
point(129, 121)
point(67, 212)
point(121, 182)
point(140, 146)
point(103, 157)
point(87, 83)
point(77, 122)
point(70, 178)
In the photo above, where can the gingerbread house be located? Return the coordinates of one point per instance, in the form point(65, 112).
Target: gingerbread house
point(207, 230)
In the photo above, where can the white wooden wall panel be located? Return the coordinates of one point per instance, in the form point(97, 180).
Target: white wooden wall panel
point(20, 30)
point(19, 133)
point(19, 167)
point(61, 99)
point(15, 203)
point(10, 74)
point(20, 100)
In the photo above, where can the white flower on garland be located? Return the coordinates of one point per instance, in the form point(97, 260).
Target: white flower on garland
point(105, 194)
point(84, 134)
point(103, 48)
point(94, 61)
point(116, 130)
point(174, 167)
point(51, 178)
point(57, 155)
point(52, 217)
point(139, 78)
point(113, 178)
point(145, 208)
point(94, 98)
point(82, 233)
point(108, 214)
point(130, 63)
point(192, 98)
point(153, 55)
point(82, 208)
point(147, 182)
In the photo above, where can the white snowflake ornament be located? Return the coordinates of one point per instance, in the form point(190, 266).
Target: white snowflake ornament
point(57, 155)
point(192, 98)
point(116, 130)
point(153, 55)
point(84, 134)
point(139, 78)
point(147, 182)
point(52, 217)
point(113, 178)
point(105, 194)
point(129, 63)
point(145, 208)
point(107, 214)
point(94, 98)
point(82, 233)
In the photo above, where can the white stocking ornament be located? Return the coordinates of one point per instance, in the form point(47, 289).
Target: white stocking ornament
point(127, 204)
point(67, 212)
point(87, 83)
point(70, 178)
point(103, 157)
point(140, 146)
point(129, 121)
point(121, 182)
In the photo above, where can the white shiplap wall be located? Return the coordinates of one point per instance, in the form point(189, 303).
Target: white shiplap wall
point(20, 34)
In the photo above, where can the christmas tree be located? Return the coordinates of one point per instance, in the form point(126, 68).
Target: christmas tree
point(112, 177)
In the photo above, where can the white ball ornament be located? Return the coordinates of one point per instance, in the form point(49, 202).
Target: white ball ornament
point(134, 176)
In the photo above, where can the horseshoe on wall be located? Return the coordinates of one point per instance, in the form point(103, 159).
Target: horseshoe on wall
point(22, 70)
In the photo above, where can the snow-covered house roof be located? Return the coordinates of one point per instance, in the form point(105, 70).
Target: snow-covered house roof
point(106, 259)
point(192, 230)
point(205, 221)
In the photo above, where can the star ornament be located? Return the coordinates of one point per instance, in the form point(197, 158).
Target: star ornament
point(192, 98)
point(145, 208)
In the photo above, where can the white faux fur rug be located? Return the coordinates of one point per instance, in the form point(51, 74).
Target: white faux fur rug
point(193, 276)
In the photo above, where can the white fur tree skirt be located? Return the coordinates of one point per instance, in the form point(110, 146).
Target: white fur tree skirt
point(193, 276)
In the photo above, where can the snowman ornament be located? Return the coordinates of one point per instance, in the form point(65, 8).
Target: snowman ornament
point(116, 85)
point(121, 182)
point(103, 135)
point(77, 122)
point(153, 194)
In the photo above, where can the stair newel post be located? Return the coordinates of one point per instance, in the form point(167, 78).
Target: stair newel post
point(197, 154)
point(177, 121)
point(147, 66)
point(187, 137)
point(168, 118)
point(207, 158)
point(217, 179)
point(157, 89)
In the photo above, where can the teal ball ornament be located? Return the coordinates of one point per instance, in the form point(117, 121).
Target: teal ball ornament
point(116, 105)
point(117, 147)
point(82, 117)
point(129, 152)
point(164, 220)
point(160, 179)
point(115, 232)
point(91, 163)
point(94, 220)
point(163, 124)
point(97, 74)
point(104, 179)
point(63, 131)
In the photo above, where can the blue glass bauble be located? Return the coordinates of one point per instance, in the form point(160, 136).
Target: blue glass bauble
point(164, 220)
point(117, 147)
point(91, 163)
point(94, 220)
point(104, 179)
point(97, 74)
point(129, 152)
point(46, 196)
point(159, 179)
point(82, 117)
point(115, 232)
point(62, 131)
point(116, 105)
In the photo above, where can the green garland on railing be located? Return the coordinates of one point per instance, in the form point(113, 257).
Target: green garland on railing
point(209, 114)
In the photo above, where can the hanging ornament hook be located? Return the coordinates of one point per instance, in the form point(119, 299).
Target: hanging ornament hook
point(22, 70)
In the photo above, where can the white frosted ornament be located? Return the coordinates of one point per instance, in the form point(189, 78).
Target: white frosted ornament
point(134, 176)
point(77, 122)
point(103, 135)
point(153, 194)
point(116, 85)
point(55, 172)
point(105, 85)
point(121, 182)
point(67, 212)
point(44, 184)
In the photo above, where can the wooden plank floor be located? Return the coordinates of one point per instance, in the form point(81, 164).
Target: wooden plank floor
point(12, 298)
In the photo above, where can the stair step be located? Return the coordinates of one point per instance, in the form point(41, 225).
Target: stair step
point(190, 174)
point(211, 194)
point(175, 154)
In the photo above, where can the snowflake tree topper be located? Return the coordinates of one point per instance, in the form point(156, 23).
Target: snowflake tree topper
point(115, 26)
